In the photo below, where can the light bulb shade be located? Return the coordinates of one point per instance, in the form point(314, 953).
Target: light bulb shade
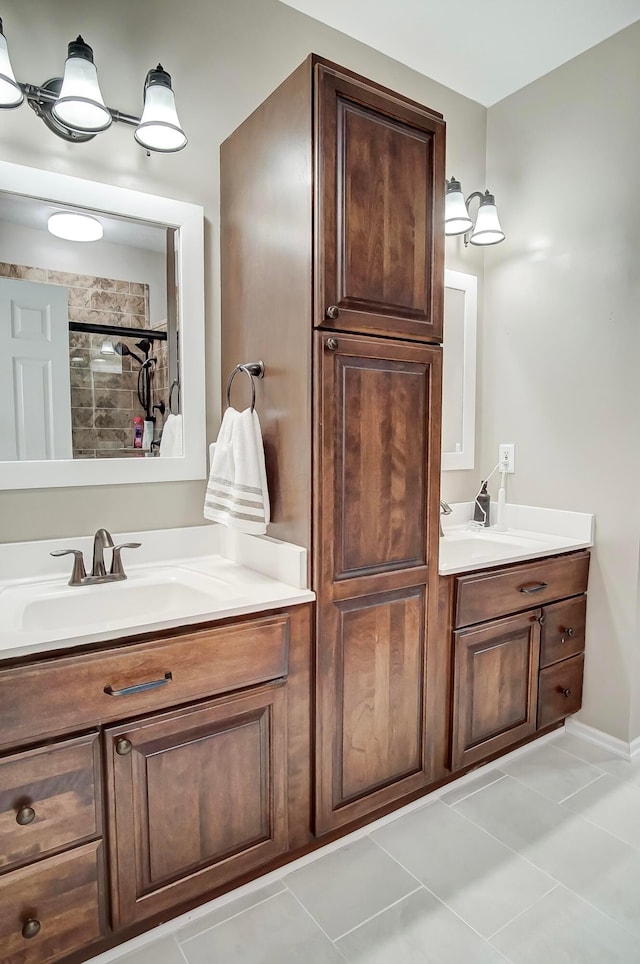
point(456, 216)
point(159, 128)
point(74, 227)
point(10, 92)
point(487, 228)
point(80, 105)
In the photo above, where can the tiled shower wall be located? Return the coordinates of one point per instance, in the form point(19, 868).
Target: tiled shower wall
point(104, 396)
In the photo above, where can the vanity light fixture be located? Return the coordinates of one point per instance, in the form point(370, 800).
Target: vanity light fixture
point(72, 106)
point(486, 229)
point(74, 227)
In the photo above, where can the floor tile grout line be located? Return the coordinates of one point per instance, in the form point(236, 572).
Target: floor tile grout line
point(573, 794)
point(585, 900)
point(570, 813)
point(525, 910)
point(310, 915)
point(180, 951)
point(502, 775)
point(238, 913)
point(441, 900)
point(580, 758)
point(383, 910)
point(525, 783)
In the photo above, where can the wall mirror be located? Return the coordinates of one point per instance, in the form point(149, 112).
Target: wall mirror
point(99, 340)
point(459, 370)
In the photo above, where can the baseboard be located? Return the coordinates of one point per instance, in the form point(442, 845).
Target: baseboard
point(589, 733)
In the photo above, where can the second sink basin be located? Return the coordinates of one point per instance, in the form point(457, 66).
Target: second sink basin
point(466, 548)
point(53, 607)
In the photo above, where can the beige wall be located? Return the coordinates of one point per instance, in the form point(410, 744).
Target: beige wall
point(225, 57)
point(560, 361)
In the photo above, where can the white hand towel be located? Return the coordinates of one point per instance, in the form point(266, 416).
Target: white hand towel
point(237, 494)
point(171, 440)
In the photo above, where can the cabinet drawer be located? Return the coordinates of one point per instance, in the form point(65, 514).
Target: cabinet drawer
point(51, 908)
point(563, 630)
point(488, 595)
point(560, 690)
point(75, 692)
point(49, 799)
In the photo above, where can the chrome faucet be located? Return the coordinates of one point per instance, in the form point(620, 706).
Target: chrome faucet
point(445, 509)
point(101, 541)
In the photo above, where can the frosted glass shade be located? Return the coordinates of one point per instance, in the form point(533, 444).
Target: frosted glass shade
point(74, 227)
point(10, 93)
point(159, 128)
point(456, 216)
point(80, 105)
point(487, 229)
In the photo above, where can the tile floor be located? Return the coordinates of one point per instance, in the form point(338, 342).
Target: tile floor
point(535, 861)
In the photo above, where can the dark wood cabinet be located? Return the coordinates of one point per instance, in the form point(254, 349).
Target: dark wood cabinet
point(517, 666)
point(198, 797)
point(379, 405)
point(380, 176)
point(332, 274)
point(208, 778)
point(496, 686)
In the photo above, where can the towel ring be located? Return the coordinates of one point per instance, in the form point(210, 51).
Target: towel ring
point(174, 384)
point(251, 369)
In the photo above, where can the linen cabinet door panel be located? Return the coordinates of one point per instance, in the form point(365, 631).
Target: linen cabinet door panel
point(378, 449)
point(199, 797)
point(380, 171)
point(495, 686)
point(371, 720)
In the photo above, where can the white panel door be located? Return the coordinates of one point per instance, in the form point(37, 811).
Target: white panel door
point(35, 390)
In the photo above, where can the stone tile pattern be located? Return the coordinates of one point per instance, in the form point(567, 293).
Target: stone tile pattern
point(104, 396)
point(534, 860)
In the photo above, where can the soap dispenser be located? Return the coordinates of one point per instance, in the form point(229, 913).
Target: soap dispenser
point(482, 506)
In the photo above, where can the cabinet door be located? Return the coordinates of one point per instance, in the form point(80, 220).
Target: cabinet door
point(379, 203)
point(495, 686)
point(198, 797)
point(376, 534)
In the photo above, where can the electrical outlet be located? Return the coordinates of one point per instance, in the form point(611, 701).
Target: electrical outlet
point(507, 457)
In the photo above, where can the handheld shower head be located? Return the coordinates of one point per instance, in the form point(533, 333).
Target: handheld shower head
point(123, 350)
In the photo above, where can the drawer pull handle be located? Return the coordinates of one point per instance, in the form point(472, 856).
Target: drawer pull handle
point(532, 587)
point(124, 747)
point(139, 687)
point(570, 632)
point(31, 928)
point(25, 816)
point(566, 692)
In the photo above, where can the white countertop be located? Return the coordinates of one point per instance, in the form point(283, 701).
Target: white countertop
point(528, 533)
point(180, 577)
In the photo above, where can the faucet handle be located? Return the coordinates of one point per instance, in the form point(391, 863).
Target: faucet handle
point(116, 559)
point(78, 573)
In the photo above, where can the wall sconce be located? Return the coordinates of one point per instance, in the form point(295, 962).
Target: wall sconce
point(73, 108)
point(486, 229)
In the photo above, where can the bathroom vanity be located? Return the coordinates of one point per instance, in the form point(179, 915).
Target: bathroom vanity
point(143, 774)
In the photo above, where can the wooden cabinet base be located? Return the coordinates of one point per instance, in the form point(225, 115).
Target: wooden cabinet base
point(51, 908)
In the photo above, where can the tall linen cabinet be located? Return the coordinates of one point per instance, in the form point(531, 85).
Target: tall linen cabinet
point(332, 274)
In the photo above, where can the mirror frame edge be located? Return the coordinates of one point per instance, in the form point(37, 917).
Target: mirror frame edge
point(468, 283)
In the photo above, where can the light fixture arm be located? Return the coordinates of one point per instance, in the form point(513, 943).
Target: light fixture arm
point(472, 197)
point(73, 108)
point(42, 99)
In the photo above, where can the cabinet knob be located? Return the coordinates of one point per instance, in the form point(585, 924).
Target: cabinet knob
point(541, 619)
point(566, 692)
point(123, 747)
point(31, 928)
point(333, 312)
point(25, 816)
point(569, 632)
point(332, 344)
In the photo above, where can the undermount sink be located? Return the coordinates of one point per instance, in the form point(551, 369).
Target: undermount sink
point(53, 607)
point(474, 547)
